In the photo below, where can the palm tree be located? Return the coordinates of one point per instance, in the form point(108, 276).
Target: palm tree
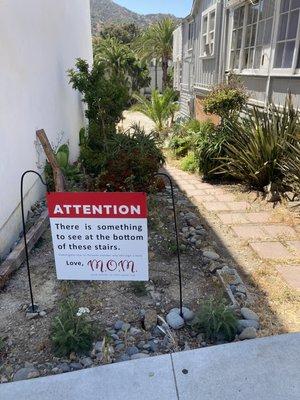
point(159, 108)
point(156, 42)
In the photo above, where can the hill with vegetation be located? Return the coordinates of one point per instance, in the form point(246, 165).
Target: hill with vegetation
point(105, 12)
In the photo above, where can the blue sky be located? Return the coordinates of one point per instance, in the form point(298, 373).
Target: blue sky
point(180, 8)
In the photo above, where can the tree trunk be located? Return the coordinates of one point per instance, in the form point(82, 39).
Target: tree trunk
point(165, 66)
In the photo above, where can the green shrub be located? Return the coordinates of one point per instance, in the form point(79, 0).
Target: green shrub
point(290, 168)
point(211, 149)
point(188, 136)
point(259, 143)
point(226, 99)
point(105, 92)
point(71, 172)
point(190, 162)
point(71, 329)
point(139, 288)
point(216, 318)
point(160, 108)
point(180, 146)
point(123, 162)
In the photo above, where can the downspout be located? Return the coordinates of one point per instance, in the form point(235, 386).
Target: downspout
point(222, 52)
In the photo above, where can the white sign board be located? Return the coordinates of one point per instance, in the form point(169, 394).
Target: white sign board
point(99, 236)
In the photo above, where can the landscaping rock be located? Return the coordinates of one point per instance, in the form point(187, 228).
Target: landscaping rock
point(26, 373)
point(188, 315)
point(174, 319)
point(138, 356)
point(126, 327)
point(124, 357)
point(86, 362)
point(32, 315)
point(64, 367)
point(211, 255)
point(120, 346)
point(247, 323)
point(118, 325)
point(248, 333)
point(75, 366)
point(150, 319)
point(249, 314)
point(134, 331)
point(98, 346)
point(132, 350)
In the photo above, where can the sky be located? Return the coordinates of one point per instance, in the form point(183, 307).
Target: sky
point(180, 8)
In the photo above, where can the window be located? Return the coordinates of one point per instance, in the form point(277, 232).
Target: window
point(266, 32)
point(237, 36)
point(287, 34)
point(251, 35)
point(191, 34)
point(208, 32)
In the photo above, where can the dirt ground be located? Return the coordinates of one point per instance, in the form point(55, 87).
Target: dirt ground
point(28, 340)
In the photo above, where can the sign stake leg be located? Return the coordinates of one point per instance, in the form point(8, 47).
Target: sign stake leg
point(33, 308)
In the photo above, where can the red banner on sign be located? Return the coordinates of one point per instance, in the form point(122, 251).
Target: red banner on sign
point(97, 205)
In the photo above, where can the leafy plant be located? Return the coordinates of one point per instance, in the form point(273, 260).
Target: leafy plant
point(259, 143)
point(190, 162)
point(71, 172)
point(126, 162)
point(226, 99)
point(139, 288)
point(122, 61)
point(211, 147)
point(290, 168)
point(106, 94)
point(181, 145)
point(160, 108)
point(71, 330)
point(216, 318)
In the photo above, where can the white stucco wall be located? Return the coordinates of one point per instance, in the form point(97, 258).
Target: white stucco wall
point(39, 41)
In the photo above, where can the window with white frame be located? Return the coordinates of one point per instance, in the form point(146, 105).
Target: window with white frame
point(237, 37)
point(251, 36)
point(286, 40)
point(191, 34)
point(208, 30)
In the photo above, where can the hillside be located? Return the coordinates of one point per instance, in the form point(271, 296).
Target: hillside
point(106, 11)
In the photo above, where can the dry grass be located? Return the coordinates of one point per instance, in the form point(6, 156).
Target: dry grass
point(277, 304)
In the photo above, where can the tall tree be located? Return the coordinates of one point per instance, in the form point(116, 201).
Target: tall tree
point(157, 42)
point(121, 59)
point(125, 33)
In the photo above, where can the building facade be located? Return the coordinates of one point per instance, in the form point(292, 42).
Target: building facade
point(40, 41)
point(258, 40)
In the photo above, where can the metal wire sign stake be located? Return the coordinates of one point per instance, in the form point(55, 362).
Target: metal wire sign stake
point(33, 308)
point(177, 239)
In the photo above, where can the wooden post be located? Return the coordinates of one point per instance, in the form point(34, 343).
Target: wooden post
point(57, 173)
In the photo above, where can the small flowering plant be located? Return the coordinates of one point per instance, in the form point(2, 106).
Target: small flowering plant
point(82, 310)
point(71, 329)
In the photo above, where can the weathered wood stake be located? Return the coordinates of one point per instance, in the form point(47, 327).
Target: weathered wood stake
point(59, 181)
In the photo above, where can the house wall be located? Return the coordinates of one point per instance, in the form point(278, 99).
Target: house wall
point(200, 73)
point(206, 69)
point(39, 42)
point(186, 93)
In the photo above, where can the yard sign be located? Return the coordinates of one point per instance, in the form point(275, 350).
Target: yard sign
point(99, 236)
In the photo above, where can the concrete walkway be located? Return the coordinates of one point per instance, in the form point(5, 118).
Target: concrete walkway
point(271, 240)
point(260, 369)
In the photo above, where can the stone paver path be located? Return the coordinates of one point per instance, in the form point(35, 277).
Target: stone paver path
point(271, 241)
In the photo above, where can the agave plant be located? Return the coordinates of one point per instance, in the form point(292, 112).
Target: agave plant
point(259, 142)
point(290, 168)
point(160, 108)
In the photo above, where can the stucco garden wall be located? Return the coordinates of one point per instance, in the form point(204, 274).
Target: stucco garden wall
point(40, 41)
